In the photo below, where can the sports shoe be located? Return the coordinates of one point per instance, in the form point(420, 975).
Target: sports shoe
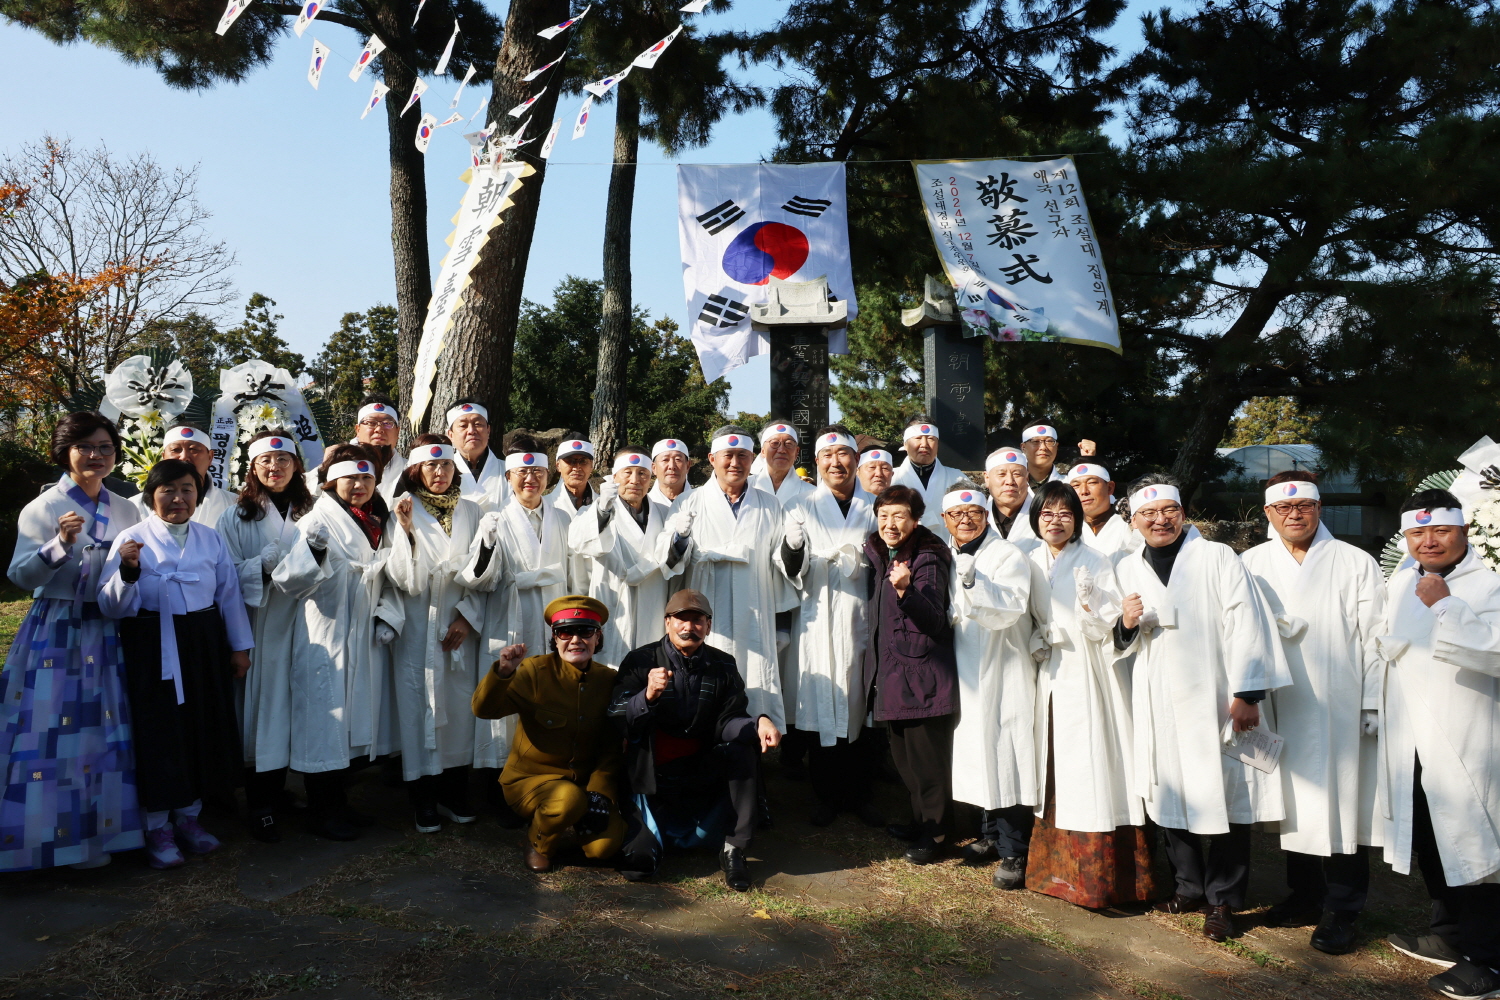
point(161, 848)
point(458, 812)
point(981, 852)
point(1425, 948)
point(1010, 873)
point(428, 820)
point(196, 839)
point(1467, 981)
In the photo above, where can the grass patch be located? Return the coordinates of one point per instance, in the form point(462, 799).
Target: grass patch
point(12, 613)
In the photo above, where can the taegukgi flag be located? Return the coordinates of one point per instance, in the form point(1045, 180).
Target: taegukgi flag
point(740, 225)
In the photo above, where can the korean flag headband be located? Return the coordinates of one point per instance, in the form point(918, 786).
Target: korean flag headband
point(429, 453)
point(876, 455)
point(525, 460)
point(725, 441)
point(464, 409)
point(377, 408)
point(575, 447)
point(786, 429)
point(185, 434)
point(835, 440)
point(1156, 491)
point(1004, 456)
point(1081, 469)
point(965, 498)
point(1433, 517)
point(669, 444)
point(338, 470)
point(263, 445)
point(919, 430)
point(631, 460)
point(1298, 490)
point(1038, 431)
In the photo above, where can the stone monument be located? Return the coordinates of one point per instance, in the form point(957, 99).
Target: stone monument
point(797, 316)
point(953, 366)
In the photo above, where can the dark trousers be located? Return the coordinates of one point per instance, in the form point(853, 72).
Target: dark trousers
point(1339, 882)
point(1226, 876)
point(923, 752)
point(325, 792)
point(1465, 916)
point(1009, 829)
point(265, 790)
point(840, 774)
point(682, 813)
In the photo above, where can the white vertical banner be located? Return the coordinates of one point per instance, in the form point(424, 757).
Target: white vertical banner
point(1016, 241)
point(488, 195)
point(740, 225)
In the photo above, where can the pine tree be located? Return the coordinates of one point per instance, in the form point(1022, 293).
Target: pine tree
point(258, 337)
point(359, 358)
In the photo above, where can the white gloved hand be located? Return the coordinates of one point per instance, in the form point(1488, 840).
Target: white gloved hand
point(796, 534)
point(1151, 619)
point(384, 634)
point(270, 556)
point(317, 536)
point(489, 529)
point(1369, 721)
point(681, 523)
point(608, 491)
point(964, 566)
point(1083, 586)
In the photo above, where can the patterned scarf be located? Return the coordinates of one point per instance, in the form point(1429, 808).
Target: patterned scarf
point(440, 505)
point(99, 510)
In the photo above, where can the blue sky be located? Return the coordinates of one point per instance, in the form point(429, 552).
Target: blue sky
point(297, 183)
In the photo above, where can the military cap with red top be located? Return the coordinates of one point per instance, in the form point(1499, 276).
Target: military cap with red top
point(575, 608)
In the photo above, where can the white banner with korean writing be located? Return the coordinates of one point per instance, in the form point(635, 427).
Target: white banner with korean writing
point(489, 194)
point(1017, 243)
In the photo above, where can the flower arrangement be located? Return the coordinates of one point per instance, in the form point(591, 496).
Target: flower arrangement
point(145, 395)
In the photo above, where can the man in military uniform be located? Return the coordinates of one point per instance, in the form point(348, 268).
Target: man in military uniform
point(565, 760)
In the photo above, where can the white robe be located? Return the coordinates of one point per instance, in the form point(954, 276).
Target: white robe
point(729, 560)
point(1088, 690)
point(1020, 529)
point(1328, 613)
point(579, 568)
point(266, 693)
point(433, 687)
point(342, 703)
point(656, 496)
point(1216, 639)
point(212, 507)
point(938, 482)
point(792, 488)
point(627, 576)
point(489, 489)
point(822, 693)
point(1442, 706)
point(389, 476)
point(42, 564)
point(1115, 539)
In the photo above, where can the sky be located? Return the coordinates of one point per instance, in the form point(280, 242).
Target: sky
point(297, 184)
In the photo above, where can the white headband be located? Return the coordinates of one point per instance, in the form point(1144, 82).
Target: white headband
point(665, 445)
point(1083, 469)
point(463, 409)
point(575, 447)
point(429, 453)
point(338, 470)
point(185, 434)
point(1038, 431)
point(833, 439)
point(380, 408)
point(525, 460)
point(919, 430)
point(786, 429)
point(1433, 517)
point(1004, 456)
point(263, 445)
point(1156, 491)
point(742, 441)
point(631, 460)
point(1299, 489)
point(965, 498)
point(876, 455)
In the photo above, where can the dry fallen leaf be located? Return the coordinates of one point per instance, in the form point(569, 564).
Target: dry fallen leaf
point(44, 937)
point(761, 915)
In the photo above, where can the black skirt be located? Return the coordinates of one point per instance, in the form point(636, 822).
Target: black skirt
point(189, 751)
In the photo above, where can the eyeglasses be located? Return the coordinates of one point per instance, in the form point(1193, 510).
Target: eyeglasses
point(1055, 515)
point(964, 514)
point(386, 422)
point(525, 474)
point(1160, 514)
point(1287, 509)
point(102, 450)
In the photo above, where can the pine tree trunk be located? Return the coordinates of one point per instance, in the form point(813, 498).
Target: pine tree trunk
point(480, 345)
point(607, 429)
point(408, 222)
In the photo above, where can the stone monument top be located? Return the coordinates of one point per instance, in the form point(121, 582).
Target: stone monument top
point(938, 307)
point(799, 303)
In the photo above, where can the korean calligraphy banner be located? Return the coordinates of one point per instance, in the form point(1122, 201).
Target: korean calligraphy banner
point(1015, 239)
point(489, 194)
point(740, 225)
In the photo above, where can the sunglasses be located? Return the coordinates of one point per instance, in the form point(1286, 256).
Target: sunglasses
point(583, 631)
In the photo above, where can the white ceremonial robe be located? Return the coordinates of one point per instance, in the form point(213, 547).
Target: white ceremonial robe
point(656, 496)
point(1216, 639)
point(42, 564)
point(433, 687)
point(1442, 706)
point(212, 507)
point(1088, 691)
point(1115, 539)
point(792, 488)
point(488, 489)
point(1329, 612)
point(994, 754)
point(627, 575)
point(342, 702)
point(938, 482)
point(729, 560)
point(578, 568)
point(822, 692)
point(266, 693)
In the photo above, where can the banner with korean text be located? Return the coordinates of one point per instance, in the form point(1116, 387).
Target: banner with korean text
point(1016, 241)
point(489, 194)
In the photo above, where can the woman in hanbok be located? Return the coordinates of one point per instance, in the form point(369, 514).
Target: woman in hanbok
point(1089, 844)
point(186, 638)
point(349, 614)
point(436, 658)
point(65, 751)
point(260, 530)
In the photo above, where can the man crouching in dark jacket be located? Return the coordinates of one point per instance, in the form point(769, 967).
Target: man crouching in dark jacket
point(690, 757)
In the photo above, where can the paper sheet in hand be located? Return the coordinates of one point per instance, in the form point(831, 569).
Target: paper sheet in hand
point(1260, 748)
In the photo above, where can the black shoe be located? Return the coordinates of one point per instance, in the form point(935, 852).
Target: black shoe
point(1426, 948)
point(981, 852)
point(331, 827)
point(924, 852)
point(903, 831)
point(1218, 923)
point(823, 814)
point(1294, 911)
point(1010, 873)
point(428, 820)
point(1335, 932)
point(262, 825)
point(870, 816)
point(732, 863)
point(456, 812)
point(1182, 904)
point(1467, 981)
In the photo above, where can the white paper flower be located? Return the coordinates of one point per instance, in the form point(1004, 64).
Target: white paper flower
point(136, 387)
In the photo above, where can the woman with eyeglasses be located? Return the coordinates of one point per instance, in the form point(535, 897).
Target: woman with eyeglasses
point(1089, 845)
point(435, 659)
point(66, 757)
